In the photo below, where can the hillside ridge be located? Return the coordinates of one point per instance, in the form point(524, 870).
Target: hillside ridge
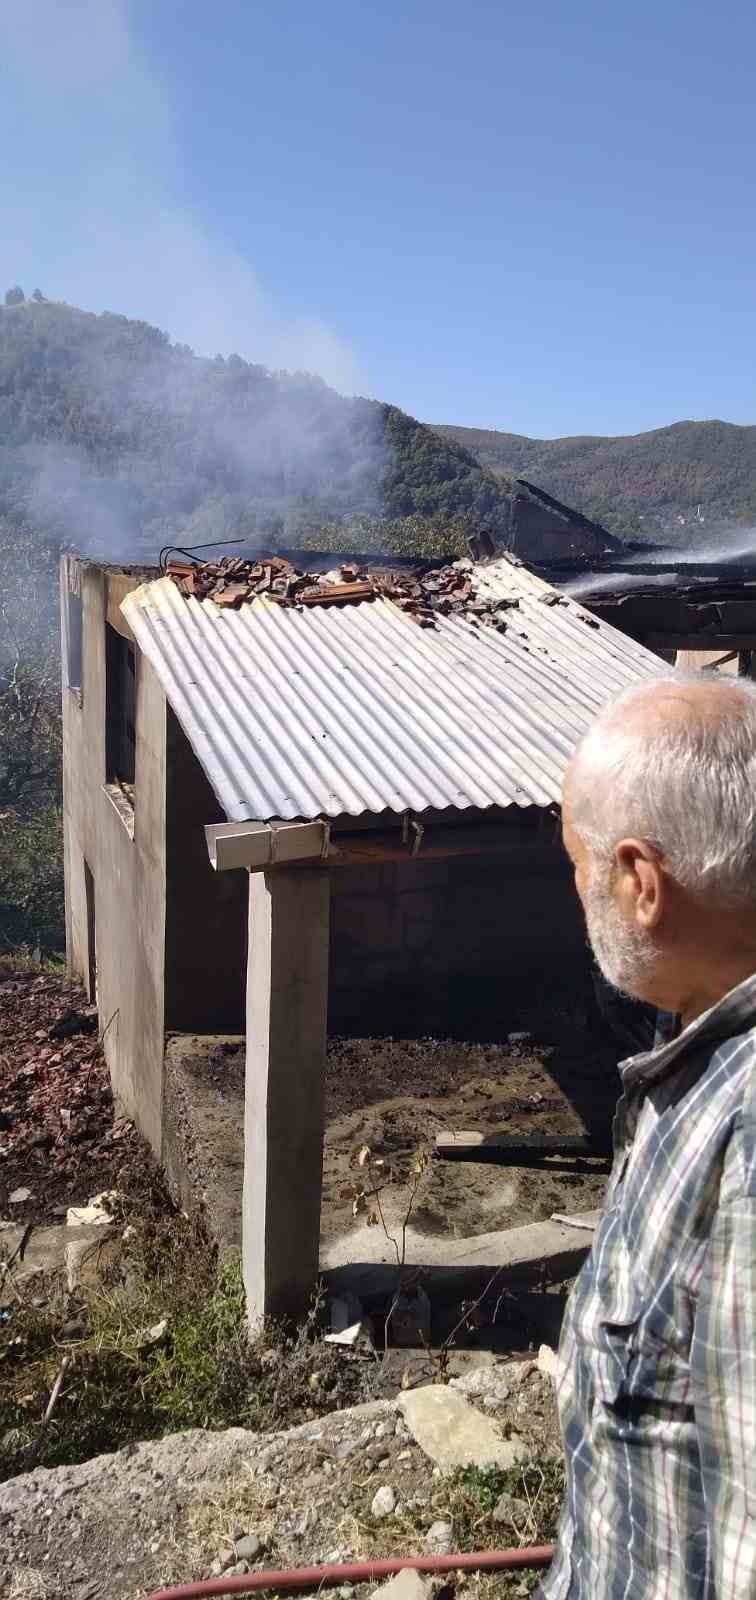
point(673, 482)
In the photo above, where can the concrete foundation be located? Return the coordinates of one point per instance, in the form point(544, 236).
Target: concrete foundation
point(203, 1129)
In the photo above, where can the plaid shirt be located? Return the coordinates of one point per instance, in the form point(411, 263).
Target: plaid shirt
point(657, 1386)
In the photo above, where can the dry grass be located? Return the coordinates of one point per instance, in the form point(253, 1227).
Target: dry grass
point(120, 1385)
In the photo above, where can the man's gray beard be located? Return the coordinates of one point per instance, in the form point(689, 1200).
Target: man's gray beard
point(623, 953)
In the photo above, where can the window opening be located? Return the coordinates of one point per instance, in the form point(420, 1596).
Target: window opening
point(89, 893)
point(120, 732)
point(73, 629)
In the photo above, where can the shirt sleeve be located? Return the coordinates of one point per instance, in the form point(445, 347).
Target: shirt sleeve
point(723, 1374)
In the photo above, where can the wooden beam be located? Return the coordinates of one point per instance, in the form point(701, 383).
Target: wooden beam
point(558, 1153)
point(429, 844)
point(695, 641)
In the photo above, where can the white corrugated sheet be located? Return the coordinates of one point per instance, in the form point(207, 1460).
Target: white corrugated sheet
point(347, 710)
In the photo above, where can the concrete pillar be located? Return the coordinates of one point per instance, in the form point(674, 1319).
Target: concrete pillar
point(287, 1006)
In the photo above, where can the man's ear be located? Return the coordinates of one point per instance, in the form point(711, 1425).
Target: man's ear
point(641, 887)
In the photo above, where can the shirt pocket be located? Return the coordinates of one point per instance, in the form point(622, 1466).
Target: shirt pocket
point(612, 1317)
point(638, 1366)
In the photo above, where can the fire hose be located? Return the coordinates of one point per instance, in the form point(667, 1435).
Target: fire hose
point(327, 1577)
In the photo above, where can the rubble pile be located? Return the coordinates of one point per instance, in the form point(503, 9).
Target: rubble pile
point(441, 591)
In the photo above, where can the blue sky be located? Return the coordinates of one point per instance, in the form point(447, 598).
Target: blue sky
point(538, 218)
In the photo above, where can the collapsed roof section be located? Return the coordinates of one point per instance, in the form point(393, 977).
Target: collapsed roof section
point(346, 707)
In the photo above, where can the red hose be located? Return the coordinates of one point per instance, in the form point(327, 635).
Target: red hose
point(537, 1555)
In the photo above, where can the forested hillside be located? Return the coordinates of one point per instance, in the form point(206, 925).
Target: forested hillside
point(118, 441)
point(642, 484)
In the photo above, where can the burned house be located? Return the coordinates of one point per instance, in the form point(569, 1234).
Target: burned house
point(295, 804)
point(551, 536)
point(695, 614)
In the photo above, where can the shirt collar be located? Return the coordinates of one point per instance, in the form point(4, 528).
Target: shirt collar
point(735, 1012)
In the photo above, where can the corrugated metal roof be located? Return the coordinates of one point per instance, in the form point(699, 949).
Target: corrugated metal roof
point(356, 709)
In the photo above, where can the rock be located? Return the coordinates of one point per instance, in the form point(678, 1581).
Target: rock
point(406, 1585)
point(45, 1248)
point(155, 1334)
point(548, 1362)
point(18, 1197)
point(440, 1538)
point(249, 1548)
point(88, 1259)
point(345, 1449)
point(95, 1212)
point(486, 1383)
point(73, 1022)
point(378, 1451)
point(514, 1513)
point(352, 1337)
point(453, 1433)
point(384, 1502)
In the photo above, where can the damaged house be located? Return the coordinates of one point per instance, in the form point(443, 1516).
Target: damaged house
point(700, 615)
point(299, 803)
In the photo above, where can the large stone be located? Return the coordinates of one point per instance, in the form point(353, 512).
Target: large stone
point(97, 1213)
point(440, 1538)
point(88, 1259)
point(249, 1548)
point(548, 1362)
point(406, 1585)
point(513, 1513)
point(487, 1384)
point(384, 1501)
point(47, 1251)
point(453, 1433)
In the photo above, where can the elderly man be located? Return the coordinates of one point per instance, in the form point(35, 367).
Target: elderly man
point(657, 1390)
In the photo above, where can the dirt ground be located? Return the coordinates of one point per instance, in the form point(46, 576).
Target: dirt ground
point(395, 1096)
point(61, 1136)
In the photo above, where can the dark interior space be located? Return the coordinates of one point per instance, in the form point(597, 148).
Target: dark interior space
point(206, 911)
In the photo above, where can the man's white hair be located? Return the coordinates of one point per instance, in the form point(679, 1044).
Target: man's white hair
point(677, 770)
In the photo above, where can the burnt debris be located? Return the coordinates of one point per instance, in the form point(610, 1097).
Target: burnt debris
point(446, 591)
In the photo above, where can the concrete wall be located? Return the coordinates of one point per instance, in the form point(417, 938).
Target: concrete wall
point(126, 857)
point(468, 947)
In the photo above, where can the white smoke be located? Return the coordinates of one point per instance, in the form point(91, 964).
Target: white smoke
point(730, 547)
